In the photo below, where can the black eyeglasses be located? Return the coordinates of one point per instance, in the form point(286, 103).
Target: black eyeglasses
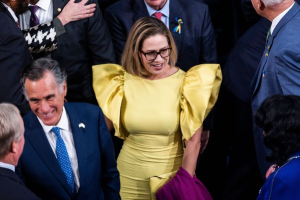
point(152, 55)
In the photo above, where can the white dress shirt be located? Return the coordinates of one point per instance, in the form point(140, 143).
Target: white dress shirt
point(44, 13)
point(278, 18)
point(11, 12)
point(165, 11)
point(7, 166)
point(67, 136)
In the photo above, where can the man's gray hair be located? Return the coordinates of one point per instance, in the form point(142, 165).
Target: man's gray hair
point(272, 2)
point(10, 127)
point(36, 70)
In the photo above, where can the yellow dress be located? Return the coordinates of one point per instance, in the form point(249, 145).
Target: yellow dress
point(153, 117)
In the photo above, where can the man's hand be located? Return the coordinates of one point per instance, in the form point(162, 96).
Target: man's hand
point(76, 11)
point(204, 140)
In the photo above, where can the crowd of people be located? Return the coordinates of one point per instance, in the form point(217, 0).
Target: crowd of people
point(149, 99)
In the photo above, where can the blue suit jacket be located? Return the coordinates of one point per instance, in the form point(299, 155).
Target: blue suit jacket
point(12, 187)
point(98, 175)
point(195, 44)
point(14, 56)
point(244, 59)
point(278, 72)
point(86, 42)
point(283, 183)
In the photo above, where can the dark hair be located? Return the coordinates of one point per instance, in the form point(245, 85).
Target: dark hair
point(36, 70)
point(279, 117)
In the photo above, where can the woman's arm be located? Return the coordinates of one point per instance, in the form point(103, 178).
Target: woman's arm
point(191, 152)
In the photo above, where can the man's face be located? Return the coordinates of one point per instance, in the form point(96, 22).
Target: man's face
point(19, 6)
point(156, 4)
point(46, 99)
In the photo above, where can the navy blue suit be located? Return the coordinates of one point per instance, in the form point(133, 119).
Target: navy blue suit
point(14, 56)
point(12, 187)
point(86, 42)
point(98, 175)
point(278, 72)
point(284, 182)
point(196, 43)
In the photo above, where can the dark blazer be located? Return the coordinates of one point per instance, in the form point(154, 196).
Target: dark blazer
point(86, 42)
point(195, 44)
point(12, 187)
point(278, 72)
point(244, 59)
point(284, 182)
point(14, 56)
point(98, 175)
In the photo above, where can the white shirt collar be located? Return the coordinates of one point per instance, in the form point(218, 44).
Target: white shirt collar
point(165, 10)
point(278, 18)
point(43, 4)
point(62, 124)
point(11, 12)
point(7, 166)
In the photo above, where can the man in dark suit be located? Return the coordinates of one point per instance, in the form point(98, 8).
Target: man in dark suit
point(195, 43)
point(279, 71)
point(68, 152)
point(12, 143)
point(14, 53)
point(86, 42)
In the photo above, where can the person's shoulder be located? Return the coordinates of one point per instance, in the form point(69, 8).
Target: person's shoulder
point(120, 7)
point(287, 173)
point(192, 5)
point(81, 106)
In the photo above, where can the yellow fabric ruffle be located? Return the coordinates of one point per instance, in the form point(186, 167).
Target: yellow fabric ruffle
point(108, 84)
point(200, 91)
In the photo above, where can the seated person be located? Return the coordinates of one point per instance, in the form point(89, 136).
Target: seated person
point(279, 117)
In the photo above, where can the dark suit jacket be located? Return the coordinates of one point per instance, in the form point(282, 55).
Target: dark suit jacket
point(284, 182)
point(195, 44)
point(98, 175)
point(86, 42)
point(278, 72)
point(14, 56)
point(12, 187)
point(244, 59)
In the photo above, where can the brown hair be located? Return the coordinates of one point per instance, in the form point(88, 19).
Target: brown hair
point(141, 30)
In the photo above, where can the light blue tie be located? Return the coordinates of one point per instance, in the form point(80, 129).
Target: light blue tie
point(63, 159)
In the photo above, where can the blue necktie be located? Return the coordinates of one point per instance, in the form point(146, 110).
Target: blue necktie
point(63, 159)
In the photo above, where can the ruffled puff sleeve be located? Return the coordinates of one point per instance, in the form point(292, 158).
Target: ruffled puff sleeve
point(108, 84)
point(200, 91)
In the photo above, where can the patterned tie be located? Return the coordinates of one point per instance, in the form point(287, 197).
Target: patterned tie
point(268, 36)
point(63, 159)
point(34, 20)
point(158, 15)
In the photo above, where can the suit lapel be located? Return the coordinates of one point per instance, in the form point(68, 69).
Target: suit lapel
point(289, 15)
point(139, 9)
point(7, 12)
point(58, 5)
point(176, 11)
point(36, 137)
point(80, 140)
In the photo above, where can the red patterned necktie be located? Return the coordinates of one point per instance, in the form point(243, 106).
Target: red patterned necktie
point(158, 15)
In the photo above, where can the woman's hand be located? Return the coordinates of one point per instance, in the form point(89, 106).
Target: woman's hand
point(191, 152)
point(76, 11)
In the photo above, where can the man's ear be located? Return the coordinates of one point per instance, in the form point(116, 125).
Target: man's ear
point(13, 147)
point(261, 5)
point(64, 88)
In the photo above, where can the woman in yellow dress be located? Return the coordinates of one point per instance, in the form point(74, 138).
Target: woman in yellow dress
point(154, 106)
